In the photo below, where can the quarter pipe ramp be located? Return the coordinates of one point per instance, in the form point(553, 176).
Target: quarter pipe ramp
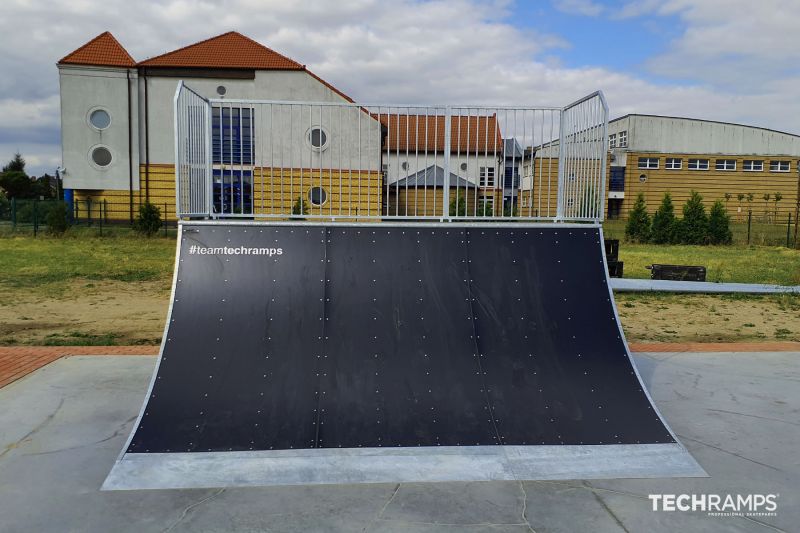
point(382, 353)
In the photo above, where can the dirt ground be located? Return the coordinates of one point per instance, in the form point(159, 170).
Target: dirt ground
point(88, 312)
point(122, 313)
point(709, 318)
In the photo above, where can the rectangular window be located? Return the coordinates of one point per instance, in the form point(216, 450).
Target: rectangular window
point(524, 201)
point(623, 139)
point(232, 136)
point(612, 140)
point(487, 203)
point(486, 177)
point(779, 166)
point(674, 163)
point(725, 164)
point(648, 162)
point(698, 164)
point(752, 165)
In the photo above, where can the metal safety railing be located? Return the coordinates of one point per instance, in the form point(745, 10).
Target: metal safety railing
point(338, 160)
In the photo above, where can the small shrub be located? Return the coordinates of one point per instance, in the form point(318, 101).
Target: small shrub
point(664, 227)
point(300, 207)
point(485, 209)
point(148, 220)
point(510, 211)
point(694, 226)
point(719, 230)
point(58, 220)
point(458, 207)
point(638, 227)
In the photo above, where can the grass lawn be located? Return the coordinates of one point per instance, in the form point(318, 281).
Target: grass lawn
point(741, 264)
point(736, 263)
point(86, 289)
point(48, 264)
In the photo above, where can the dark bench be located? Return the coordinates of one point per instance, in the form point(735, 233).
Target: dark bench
point(677, 272)
point(615, 266)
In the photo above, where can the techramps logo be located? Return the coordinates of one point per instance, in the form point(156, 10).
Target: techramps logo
point(718, 504)
point(234, 250)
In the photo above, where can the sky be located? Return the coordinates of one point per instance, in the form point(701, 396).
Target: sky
point(728, 60)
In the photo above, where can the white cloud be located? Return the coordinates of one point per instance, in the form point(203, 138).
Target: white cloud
point(737, 45)
point(444, 51)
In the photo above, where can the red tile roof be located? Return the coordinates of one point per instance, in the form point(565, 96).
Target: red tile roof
point(469, 134)
point(104, 50)
point(230, 50)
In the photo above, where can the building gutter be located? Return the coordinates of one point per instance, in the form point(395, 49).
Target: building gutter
point(143, 72)
point(130, 147)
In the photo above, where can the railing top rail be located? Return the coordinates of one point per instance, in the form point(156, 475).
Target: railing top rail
point(183, 86)
point(248, 101)
point(587, 98)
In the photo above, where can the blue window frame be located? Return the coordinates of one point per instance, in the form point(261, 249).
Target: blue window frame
point(232, 136)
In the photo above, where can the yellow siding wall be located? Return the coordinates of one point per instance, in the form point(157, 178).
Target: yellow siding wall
point(425, 201)
point(275, 191)
point(713, 184)
point(117, 203)
point(354, 193)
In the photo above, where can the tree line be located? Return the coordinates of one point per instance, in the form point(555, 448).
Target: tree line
point(15, 182)
point(695, 227)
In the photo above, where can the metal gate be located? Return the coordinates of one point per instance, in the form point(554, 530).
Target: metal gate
point(265, 159)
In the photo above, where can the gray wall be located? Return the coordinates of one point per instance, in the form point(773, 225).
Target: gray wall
point(691, 136)
point(82, 90)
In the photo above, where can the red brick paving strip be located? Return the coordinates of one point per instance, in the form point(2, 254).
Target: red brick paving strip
point(19, 361)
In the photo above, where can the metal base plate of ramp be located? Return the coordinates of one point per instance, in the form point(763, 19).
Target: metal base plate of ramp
point(345, 353)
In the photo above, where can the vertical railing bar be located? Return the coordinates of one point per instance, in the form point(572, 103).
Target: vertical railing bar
point(425, 165)
point(447, 146)
point(385, 174)
point(397, 159)
point(330, 162)
point(209, 158)
point(178, 134)
point(408, 127)
point(416, 162)
point(604, 153)
point(271, 159)
point(291, 158)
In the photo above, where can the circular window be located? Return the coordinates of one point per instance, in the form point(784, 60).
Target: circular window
point(317, 196)
point(221, 90)
point(101, 156)
point(99, 119)
point(318, 138)
point(404, 165)
point(463, 166)
point(642, 178)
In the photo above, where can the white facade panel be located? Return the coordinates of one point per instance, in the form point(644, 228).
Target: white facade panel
point(463, 166)
point(692, 136)
point(84, 90)
point(267, 85)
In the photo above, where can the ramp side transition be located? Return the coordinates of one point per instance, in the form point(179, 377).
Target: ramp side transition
point(302, 353)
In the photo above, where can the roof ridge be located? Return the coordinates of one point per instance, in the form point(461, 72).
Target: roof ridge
point(295, 64)
point(94, 40)
point(159, 56)
point(268, 49)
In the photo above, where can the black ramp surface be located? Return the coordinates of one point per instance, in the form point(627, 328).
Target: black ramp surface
point(555, 363)
point(239, 366)
point(378, 335)
point(400, 361)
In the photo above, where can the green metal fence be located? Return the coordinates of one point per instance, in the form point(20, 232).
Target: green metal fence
point(30, 215)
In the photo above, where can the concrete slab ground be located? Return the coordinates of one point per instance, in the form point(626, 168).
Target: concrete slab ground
point(62, 426)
